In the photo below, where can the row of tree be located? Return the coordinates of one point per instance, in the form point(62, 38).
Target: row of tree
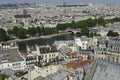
point(22, 33)
point(81, 24)
point(87, 23)
point(111, 33)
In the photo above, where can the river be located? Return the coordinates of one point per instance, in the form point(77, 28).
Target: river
point(44, 41)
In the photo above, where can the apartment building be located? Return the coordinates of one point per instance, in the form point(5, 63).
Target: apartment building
point(11, 59)
point(110, 51)
point(44, 71)
point(84, 43)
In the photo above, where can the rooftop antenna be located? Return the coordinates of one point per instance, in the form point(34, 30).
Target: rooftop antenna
point(64, 4)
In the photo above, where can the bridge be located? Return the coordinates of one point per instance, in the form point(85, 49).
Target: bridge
point(74, 31)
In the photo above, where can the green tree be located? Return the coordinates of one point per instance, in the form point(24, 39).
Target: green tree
point(116, 19)
point(84, 32)
point(112, 33)
point(100, 21)
point(9, 31)
point(21, 33)
point(39, 30)
point(15, 31)
point(3, 35)
point(4, 76)
point(91, 34)
point(48, 31)
point(32, 31)
point(90, 22)
point(61, 27)
point(116, 34)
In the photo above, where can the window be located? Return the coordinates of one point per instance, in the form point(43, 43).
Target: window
point(46, 56)
point(104, 49)
point(42, 56)
point(82, 43)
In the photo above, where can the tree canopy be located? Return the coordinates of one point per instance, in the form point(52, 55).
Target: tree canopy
point(112, 33)
point(81, 24)
point(22, 33)
point(3, 35)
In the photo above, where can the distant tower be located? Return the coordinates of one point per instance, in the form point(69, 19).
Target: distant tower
point(25, 12)
point(64, 4)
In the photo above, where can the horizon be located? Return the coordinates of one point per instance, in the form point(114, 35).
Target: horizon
point(63, 1)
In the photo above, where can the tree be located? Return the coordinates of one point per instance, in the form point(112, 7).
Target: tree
point(3, 35)
point(116, 34)
point(21, 33)
point(15, 31)
point(39, 31)
point(112, 34)
point(61, 27)
point(90, 22)
point(32, 31)
point(101, 21)
point(116, 19)
point(48, 30)
point(4, 76)
point(85, 31)
point(9, 31)
point(91, 34)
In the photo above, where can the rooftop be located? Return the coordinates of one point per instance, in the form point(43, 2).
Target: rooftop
point(61, 76)
point(107, 71)
point(22, 16)
point(10, 55)
point(48, 49)
point(75, 64)
point(87, 52)
point(71, 54)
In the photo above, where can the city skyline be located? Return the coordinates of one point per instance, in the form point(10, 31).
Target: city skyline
point(63, 1)
point(59, 39)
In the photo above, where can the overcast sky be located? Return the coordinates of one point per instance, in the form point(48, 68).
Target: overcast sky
point(62, 1)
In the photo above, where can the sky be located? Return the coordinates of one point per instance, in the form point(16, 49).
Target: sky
point(62, 1)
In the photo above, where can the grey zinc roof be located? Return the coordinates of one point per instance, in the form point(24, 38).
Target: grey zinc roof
point(10, 55)
point(51, 49)
point(107, 71)
point(87, 52)
point(22, 16)
point(58, 76)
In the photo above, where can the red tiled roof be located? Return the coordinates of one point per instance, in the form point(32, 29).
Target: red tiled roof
point(25, 54)
point(78, 63)
point(70, 63)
